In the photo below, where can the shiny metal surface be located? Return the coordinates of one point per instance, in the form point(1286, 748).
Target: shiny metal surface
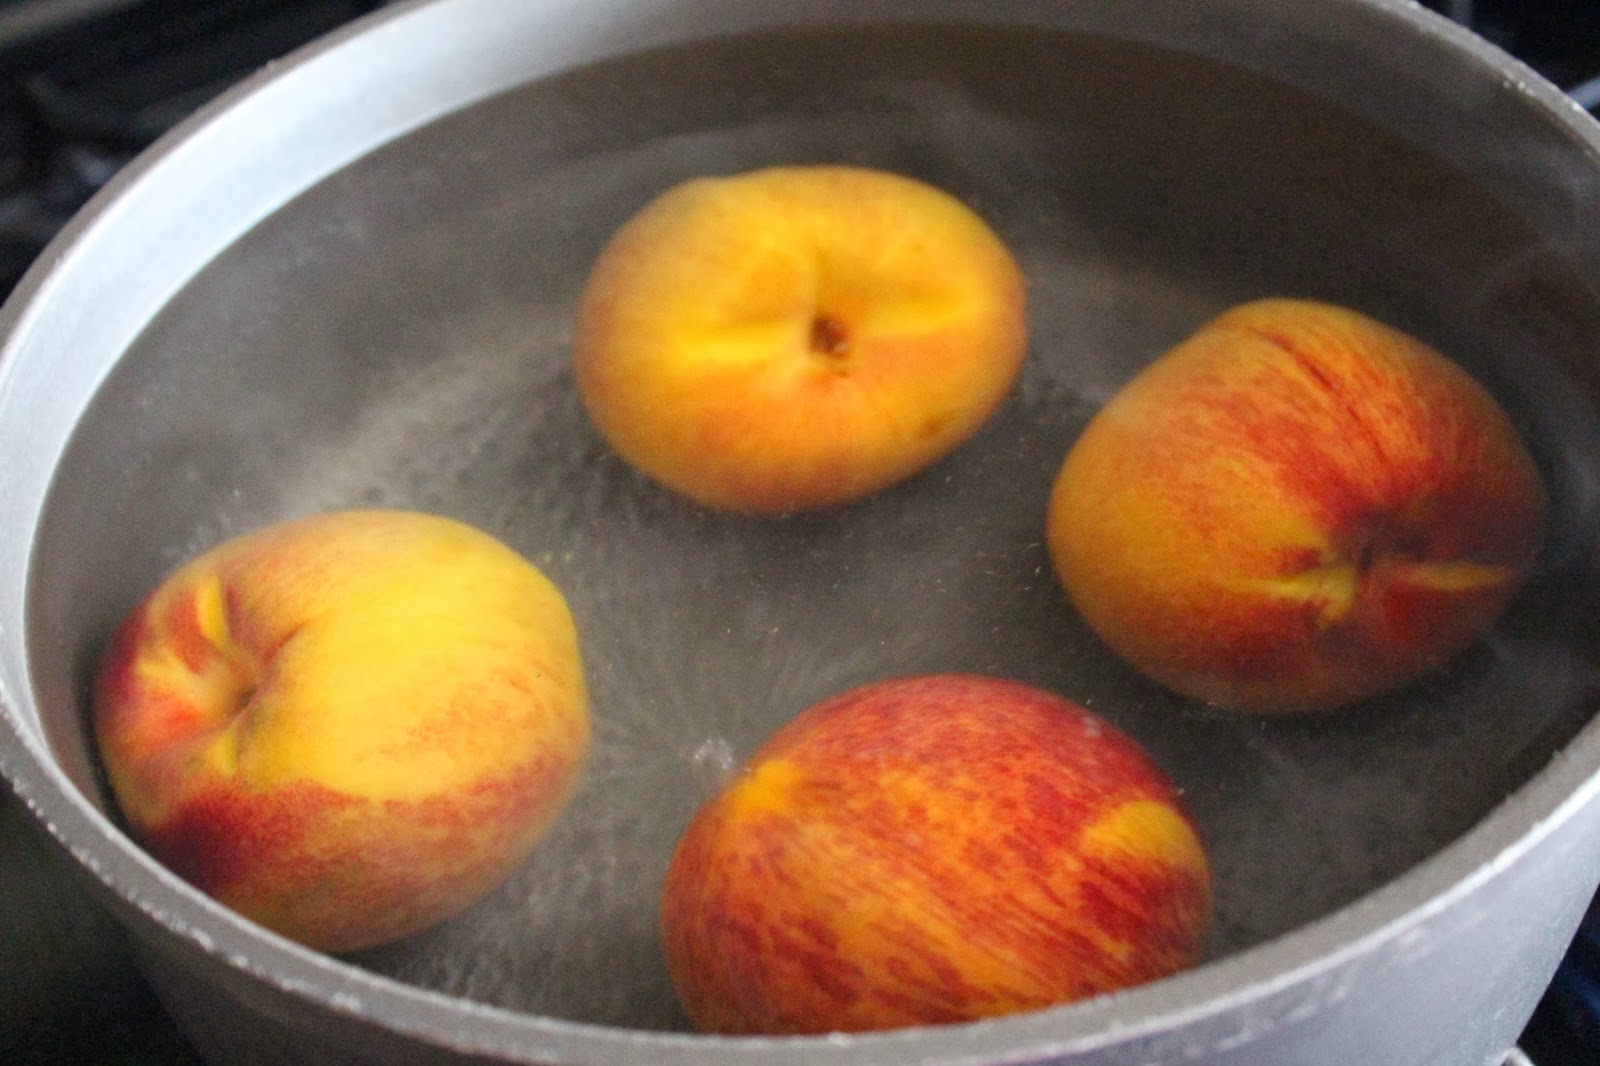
point(347, 284)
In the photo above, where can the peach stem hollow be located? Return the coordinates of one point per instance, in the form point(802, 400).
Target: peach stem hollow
point(828, 337)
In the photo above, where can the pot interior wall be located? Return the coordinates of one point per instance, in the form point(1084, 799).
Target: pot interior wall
point(398, 335)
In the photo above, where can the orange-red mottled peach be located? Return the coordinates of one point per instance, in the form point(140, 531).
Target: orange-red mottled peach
point(1295, 509)
point(928, 850)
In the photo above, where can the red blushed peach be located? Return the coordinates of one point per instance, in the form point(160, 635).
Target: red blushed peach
point(796, 337)
point(926, 850)
point(347, 727)
point(1294, 509)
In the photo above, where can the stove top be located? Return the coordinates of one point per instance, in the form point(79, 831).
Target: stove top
point(84, 86)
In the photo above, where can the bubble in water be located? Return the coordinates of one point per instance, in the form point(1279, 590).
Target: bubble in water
point(714, 764)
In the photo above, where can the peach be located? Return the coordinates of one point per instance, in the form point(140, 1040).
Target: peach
point(346, 727)
point(1294, 509)
point(797, 337)
point(927, 850)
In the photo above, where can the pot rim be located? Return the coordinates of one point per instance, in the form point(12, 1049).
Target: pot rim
point(1399, 915)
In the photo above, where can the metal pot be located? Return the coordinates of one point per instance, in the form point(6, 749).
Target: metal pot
point(348, 283)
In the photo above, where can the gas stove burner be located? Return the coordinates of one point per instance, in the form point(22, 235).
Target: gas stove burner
point(86, 85)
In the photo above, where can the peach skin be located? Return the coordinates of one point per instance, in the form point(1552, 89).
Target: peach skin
point(346, 727)
point(1295, 509)
point(928, 850)
point(797, 337)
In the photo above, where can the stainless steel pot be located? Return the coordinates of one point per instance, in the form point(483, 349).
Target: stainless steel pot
point(349, 281)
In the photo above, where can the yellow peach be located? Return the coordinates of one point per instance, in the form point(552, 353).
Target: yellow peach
point(796, 337)
point(346, 727)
